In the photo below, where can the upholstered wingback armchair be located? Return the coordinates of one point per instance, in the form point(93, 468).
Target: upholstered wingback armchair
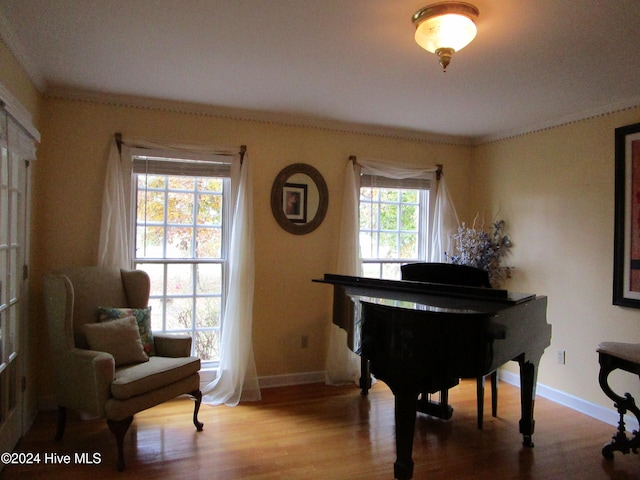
point(107, 360)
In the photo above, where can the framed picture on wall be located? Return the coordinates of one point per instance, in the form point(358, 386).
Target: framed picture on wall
point(626, 268)
point(294, 202)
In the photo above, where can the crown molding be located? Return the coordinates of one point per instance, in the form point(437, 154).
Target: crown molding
point(15, 47)
point(231, 113)
point(285, 119)
point(560, 122)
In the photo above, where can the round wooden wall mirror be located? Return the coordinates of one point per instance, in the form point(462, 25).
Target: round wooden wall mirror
point(299, 198)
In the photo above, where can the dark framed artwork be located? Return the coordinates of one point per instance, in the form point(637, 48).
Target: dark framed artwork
point(626, 268)
point(294, 202)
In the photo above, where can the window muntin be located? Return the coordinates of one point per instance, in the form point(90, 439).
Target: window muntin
point(393, 228)
point(181, 242)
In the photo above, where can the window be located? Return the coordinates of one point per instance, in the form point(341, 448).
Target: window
point(181, 239)
point(394, 218)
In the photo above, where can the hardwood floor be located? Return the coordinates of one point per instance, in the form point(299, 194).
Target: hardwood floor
point(331, 433)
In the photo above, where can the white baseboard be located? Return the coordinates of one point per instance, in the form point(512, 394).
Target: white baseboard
point(291, 379)
point(271, 381)
point(607, 415)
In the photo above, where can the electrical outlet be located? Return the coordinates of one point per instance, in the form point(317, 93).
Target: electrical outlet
point(304, 341)
point(561, 357)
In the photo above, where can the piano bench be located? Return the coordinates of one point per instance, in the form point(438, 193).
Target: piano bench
point(622, 356)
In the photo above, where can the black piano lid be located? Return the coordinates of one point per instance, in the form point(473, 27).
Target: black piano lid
point(422, 307)
point(479, 293)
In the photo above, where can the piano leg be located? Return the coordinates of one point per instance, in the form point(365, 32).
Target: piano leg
point(365, 376)
point(405, 415)
point(494, 394)
point(528, 379)
point(480, 399)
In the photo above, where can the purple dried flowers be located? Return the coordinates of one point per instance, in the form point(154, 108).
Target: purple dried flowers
point(477, 248)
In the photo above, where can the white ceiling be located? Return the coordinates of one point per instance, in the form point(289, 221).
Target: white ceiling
point(533, 62)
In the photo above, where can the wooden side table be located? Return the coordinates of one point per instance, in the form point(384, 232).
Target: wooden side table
point(623, 356)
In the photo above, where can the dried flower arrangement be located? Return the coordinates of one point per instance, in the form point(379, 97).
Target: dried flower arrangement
point(477, 248)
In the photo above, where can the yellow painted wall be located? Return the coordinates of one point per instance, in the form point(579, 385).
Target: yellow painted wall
point(555, 190)
point(70, 177)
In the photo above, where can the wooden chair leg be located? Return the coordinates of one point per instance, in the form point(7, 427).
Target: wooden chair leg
point(62, 422)
point(480, 399)
point(494, 393)
point(197, 396)
point(119, 429)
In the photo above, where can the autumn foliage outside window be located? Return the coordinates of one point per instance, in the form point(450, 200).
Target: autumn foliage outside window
point(180, 241)
point(393, 225)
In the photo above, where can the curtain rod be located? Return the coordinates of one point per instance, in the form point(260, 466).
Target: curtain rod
point(439, 166)
point(243, 150)
point(118, 138)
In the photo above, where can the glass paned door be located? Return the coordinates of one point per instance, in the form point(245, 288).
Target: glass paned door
point(12, 258)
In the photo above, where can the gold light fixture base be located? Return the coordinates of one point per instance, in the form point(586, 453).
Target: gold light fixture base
point(444, 55)
point(445, 28)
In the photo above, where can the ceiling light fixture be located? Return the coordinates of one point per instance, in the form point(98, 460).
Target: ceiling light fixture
point(444, 28)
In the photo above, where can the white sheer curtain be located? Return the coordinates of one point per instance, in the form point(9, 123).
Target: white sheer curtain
point(342, 365)
point(237, 377)
point(114, 248)
point(445, 224)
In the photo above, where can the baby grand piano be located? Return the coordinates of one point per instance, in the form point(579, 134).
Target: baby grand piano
point(417, 336)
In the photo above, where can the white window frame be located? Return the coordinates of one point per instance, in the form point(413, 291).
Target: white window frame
point(424, 226)
point(189, 165)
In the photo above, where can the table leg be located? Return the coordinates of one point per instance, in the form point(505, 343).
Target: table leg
point(620, 441)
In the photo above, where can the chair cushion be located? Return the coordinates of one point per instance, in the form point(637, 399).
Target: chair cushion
point(119, 337)
point(625, 351)
point(143, 317)
point(158, 372)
